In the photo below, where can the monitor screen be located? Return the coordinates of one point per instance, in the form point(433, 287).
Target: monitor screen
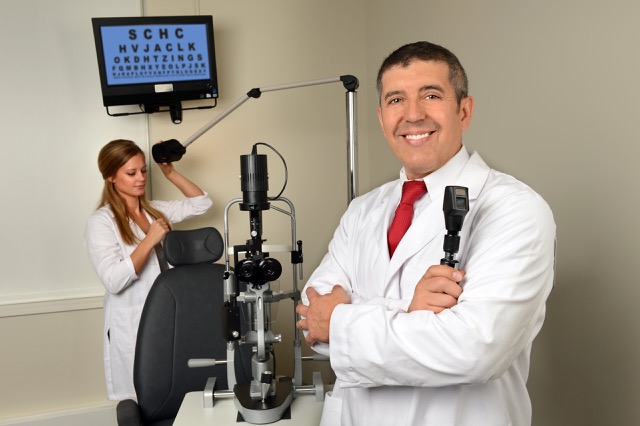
point(155, 60)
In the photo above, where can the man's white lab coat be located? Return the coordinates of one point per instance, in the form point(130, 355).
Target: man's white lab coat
point(467, 365)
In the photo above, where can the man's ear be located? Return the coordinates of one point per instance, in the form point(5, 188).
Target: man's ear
point(466, 112)
point(380, 120)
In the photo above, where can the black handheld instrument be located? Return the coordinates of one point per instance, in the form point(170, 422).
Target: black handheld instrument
point(455, 207)
point(167, 151)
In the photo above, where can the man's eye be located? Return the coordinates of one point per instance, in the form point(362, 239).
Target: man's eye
point(394, 101)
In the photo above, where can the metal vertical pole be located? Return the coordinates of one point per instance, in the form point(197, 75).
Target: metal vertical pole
point(352, 147)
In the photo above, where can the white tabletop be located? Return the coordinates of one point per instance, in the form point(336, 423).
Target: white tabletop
point(305, 411)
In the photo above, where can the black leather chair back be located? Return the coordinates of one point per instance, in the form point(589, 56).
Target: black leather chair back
point(182, 320)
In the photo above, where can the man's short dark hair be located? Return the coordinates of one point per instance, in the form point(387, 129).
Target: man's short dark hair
point(426, 51)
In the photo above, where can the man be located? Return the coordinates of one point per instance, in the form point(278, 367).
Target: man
point(413, 342)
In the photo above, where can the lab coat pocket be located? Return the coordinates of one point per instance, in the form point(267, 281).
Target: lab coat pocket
point(429, 254)
point(124, 329)
point(332, 410)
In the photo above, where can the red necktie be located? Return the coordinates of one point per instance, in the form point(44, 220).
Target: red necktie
point(411, 191)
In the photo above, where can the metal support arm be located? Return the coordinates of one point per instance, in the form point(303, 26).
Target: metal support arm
point(349, 82)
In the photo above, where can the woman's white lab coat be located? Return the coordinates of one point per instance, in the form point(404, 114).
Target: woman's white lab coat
point(127, 291)
point(467, 365)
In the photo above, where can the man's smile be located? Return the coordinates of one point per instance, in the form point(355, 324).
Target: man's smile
point(418, 136)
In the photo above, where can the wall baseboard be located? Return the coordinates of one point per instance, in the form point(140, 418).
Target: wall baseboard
point(102, 415)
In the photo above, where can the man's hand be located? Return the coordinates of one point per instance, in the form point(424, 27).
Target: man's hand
point(317, 316)
point(437, 290)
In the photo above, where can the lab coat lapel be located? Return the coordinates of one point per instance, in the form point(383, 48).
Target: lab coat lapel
point(430, 223)
point(382, 214)
point(474, 176)
point(424, 228)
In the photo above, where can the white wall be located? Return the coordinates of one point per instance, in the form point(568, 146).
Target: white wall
point(308, 126)
point(53, 123)
point(555, 93)
point(53, 126)
point(556, 89)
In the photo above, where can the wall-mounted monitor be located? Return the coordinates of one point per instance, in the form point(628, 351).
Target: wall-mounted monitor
point(156, 61)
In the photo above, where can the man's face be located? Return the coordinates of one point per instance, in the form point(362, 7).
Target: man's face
point(420, 117)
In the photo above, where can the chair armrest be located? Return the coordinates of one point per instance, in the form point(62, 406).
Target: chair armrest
point(128, 413)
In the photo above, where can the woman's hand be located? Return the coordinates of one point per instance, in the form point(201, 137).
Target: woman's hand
point(188, 188)
point(167, 168)
point(157, 230)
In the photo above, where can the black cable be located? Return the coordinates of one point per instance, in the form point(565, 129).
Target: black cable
point(286, 171)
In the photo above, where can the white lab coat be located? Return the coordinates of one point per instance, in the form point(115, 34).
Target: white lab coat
point(127, 291)
point(467, 365)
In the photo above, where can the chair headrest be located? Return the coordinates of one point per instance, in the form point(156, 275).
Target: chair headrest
point(193, 246)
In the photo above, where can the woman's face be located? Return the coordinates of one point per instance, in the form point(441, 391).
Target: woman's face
point(131, 179)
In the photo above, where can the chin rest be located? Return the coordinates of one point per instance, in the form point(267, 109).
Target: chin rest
point(181, 320)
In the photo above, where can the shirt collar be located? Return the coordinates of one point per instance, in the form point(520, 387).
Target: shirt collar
point(446, 174)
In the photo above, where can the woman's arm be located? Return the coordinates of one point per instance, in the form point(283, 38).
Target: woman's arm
point(155, 234)
point(188, 188)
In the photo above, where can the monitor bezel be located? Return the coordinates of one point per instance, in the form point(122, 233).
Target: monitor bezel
point(146, 94)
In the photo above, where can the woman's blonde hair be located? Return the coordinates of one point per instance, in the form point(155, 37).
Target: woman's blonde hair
point(112, 156)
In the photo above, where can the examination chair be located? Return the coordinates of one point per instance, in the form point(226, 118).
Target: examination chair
point(181, 320)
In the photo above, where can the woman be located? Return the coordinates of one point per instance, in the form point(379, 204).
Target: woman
point(123, 237)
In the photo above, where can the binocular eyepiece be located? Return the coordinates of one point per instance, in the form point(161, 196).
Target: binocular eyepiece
point(258, 271)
